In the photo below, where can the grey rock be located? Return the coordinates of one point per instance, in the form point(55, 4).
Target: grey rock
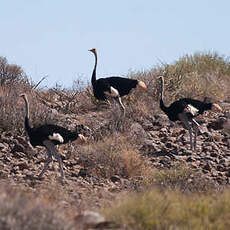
point(115, 178)
point(18, 148)
point(2, 146)
point(90, 218)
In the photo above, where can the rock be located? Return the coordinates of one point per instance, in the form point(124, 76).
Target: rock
point(147, 125)
point(217, 124)
point(227, 173)
point(207, 167)
point(2, 146)
point(220, 168)
point(23, 165)
point(207, 148)
point(18, 148)
point(137, 133)
point(18, 155)
point(83, 172)
point(90, 218)
point(21, 140)
point(115, 179)
point(213, 154)
point(190, 159)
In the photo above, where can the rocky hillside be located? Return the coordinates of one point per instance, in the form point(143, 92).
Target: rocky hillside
point(123, 154)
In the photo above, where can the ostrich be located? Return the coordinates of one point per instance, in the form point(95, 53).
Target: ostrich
point(185, 110)
point(114, 87)
point(48, 136)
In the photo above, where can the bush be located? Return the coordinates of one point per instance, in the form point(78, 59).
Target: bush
point(10, 75)
point(113, 155)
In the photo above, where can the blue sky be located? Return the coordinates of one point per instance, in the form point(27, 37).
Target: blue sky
point(52, 37)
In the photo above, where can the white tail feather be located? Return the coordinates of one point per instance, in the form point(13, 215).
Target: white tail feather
point(56, 137)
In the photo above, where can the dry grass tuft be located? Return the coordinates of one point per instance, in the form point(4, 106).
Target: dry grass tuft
point(113, 155)
point(180, 178)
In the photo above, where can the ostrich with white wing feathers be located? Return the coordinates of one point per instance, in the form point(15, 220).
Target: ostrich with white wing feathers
point(48, 136)
point(185, 110)
point(115, 87)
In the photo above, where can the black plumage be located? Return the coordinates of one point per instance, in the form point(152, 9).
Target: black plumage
point(113, 86)
point(185, 110)
point(181, 106)
point(48, 136)
point(38, 135)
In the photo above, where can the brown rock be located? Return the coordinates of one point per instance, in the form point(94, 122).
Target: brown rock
point(18, 148)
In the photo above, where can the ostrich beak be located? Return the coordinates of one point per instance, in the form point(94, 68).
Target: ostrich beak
point(217, 108)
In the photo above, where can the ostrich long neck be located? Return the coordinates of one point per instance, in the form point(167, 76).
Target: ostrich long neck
point(93, 80)
point(27, 125)
point(162, 105)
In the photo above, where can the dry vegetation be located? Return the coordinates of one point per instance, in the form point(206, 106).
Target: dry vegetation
point(146, 198)
point(172, 210)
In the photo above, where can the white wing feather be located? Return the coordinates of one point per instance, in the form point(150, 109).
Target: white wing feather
point(56, 137)
point(114, 92)
point(191, 109)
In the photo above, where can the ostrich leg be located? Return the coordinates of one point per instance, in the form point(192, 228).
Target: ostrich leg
point(49, 159)
point(58, 157)
point(184, 119)
point(52, 149)
point(196, 129)
point(118, 99)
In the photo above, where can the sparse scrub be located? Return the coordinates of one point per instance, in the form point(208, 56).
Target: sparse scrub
point(112, 156)
point(12, 113)
point(175, 198)
point(14, 82)
point(172, 210)
point(181, 178)
point(198, 75)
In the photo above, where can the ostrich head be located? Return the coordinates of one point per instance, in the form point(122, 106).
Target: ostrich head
point(23, 95)
point(161, 79)
point(94, 51)
point(216, 108)
point(141, 85)
point(81, 139)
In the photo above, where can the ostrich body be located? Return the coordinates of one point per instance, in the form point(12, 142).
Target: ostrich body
point(48, 136)
point(115, 87)
point(185, 110)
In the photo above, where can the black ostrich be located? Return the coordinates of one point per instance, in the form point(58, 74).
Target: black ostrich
point(48, 136)
point(185, 110)
point(114, 87)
